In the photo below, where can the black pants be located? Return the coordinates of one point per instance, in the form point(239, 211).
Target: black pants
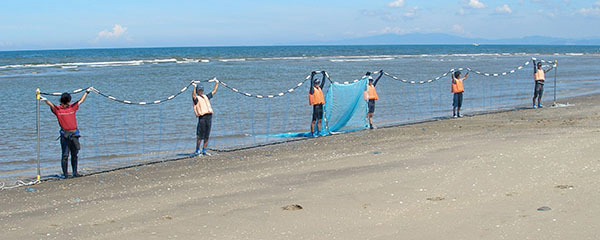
point(538, 90)
point(317, 112)
point(69, 144)
point(457, 100)
point(203, 127)
point(371, 106)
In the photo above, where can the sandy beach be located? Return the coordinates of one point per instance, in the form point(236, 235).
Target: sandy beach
point(525, 174)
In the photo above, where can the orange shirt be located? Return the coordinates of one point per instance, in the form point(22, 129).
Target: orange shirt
point(317, 97)
point(458, 86)
point(371, 93)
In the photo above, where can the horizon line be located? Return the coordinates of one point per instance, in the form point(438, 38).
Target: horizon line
point(297, 45)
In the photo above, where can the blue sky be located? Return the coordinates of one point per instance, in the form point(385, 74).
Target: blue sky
point(27, 24)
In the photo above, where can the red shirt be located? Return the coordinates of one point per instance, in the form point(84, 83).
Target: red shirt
point(66, 116)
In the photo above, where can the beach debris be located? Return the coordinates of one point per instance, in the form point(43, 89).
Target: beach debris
point(77, 200)
point(268, 155)
point(101, 181)
point(435, 199)
point(544, 208)
point(555, 105)
point(365, 205)
point(292, 207)
point(167, 217)
point(126, 174)
point(564, 186)
point(30, 189)
point(376, 153)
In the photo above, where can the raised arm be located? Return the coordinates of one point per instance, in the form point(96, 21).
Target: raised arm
point(466, 76)
point(534, 67)
point(216, 87)
point(312, 82)
point(377, 79)
point(84, 96)
point(47, 102)
point(194, 93)
point(323, 80)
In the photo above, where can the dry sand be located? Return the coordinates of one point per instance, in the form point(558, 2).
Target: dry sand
point(480, 177)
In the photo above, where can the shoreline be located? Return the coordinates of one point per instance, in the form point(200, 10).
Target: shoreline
point(54, 177)
point(476, 177)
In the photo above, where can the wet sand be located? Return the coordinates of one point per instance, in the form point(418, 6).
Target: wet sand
point(480, 177)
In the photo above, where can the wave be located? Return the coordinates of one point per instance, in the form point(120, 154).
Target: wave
point(232, 60)
point(103, 64)
point(335, 58)
point(361, 59)
point(284, 58)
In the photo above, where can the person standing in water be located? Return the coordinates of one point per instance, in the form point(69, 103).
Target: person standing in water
point(204, 112)
point(457, 89)
point(69, 133)
point(539, 78)
point(317, 100)
point(371, 96)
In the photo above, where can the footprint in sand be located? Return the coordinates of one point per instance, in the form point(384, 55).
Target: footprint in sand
point(292, 207)
point(544, 208)
point(435, 199)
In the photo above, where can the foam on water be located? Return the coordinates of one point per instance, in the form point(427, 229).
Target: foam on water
point(112, 132)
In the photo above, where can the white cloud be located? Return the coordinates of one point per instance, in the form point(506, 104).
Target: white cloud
point(398, 30)
point(458, 28)
point(397, 3)
point(411, 12)
point(504, 9)
point(6, 44)
point(476, 4)
point(117, 32)
point(462, 11)
point(597, 3)
point(590, 11)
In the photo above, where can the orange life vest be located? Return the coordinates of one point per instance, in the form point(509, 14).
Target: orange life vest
point(539, 75)
point(458, 86)
point(317, 97)
point(371, 94)
point(202, 106)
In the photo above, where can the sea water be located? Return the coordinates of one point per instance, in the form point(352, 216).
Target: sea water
point(116, 134)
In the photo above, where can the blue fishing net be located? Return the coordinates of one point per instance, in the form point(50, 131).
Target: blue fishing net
point(345, 110)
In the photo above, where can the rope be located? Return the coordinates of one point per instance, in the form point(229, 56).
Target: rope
point(18, 183)
point(171, 97)
point(512, 71)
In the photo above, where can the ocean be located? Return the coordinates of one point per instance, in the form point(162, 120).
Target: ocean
point(116, 135)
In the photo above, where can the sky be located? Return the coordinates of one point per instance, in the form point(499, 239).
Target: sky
point(62, 24)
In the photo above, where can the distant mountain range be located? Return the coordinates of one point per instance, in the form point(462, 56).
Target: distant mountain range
point(442, 38)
